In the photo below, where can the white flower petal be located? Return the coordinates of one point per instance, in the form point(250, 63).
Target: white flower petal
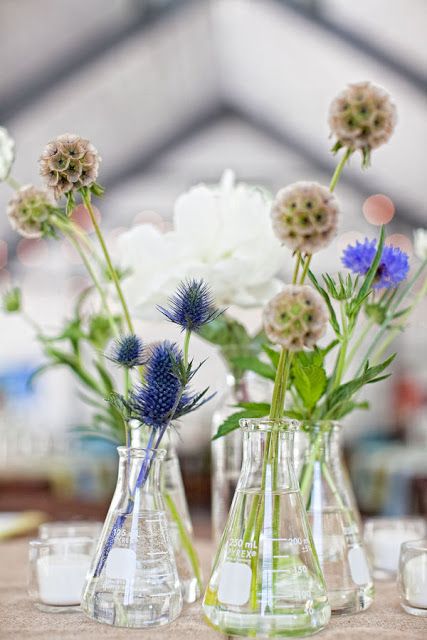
point(7, 153)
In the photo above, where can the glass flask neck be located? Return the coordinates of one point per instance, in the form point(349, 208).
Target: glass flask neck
point(326, 437)
point(268, 455)
point(139, 469)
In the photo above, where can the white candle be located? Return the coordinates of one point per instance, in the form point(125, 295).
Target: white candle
point(415, 579)
point(386, 547)
point(61, 578)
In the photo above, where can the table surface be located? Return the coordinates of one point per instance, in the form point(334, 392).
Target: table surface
point(20, 620)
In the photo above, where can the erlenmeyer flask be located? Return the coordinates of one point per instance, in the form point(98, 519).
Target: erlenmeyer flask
point(334, 517)
point(133, 580)
point(266, 579)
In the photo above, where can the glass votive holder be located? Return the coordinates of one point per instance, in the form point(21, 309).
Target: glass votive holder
point(383, 537)
point(58, 568)
point(412, 578)
point(70, 529)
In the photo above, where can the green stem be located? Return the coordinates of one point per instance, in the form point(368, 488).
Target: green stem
point(280, 385)
point(338, 170)
point(358, 343)
point(13, 184)
point(296, 268)
point(186, 346)
point(69, 234)
point(306, 268)
point(185, 538)
point(111, 270)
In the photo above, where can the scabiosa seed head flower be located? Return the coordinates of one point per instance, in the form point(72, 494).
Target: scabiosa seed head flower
point(127, 351)
point(305, 216)
point(393, 267)
point(296, 317)
point(191, 306)
point(362, 117)
point(68, 163)
point(30, 212)
point(7, 153)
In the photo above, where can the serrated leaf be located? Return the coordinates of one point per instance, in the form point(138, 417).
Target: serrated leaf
point(310, 382)
point(324, 294)
point(232, 422)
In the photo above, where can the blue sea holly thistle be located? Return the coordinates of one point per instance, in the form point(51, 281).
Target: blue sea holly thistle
point(127, 351)
point(192, 306)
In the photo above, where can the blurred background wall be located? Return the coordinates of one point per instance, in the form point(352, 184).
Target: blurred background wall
point(172, 92)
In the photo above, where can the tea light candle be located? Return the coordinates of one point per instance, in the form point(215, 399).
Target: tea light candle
point(415, 580)
point(58, 568)
point(61, 578)
point(386, 547)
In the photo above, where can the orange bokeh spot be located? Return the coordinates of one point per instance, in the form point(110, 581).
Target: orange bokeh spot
point(378, 209)
point(401, 242)
point(81, 217)
point(3, 254)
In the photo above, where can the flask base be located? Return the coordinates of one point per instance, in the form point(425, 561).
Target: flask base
point(144, 611)
point(282, 625)
point(351, 601)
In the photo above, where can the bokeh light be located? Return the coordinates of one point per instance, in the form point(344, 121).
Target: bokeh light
point(81, 217)
point(32, 253)
point(401, 241)
point(3, 253)
point(378, 209)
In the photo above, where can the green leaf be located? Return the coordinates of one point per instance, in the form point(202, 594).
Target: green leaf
point(74, 363)
point(332, 315)
point(232, 422)
point(272, 354)
point(345, 391)
point(251, 363)
point(310, 382)
point(372, 272)
point(255, 406)
point(347, 407)
point(105, 377)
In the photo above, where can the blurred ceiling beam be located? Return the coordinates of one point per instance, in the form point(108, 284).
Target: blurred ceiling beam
point(313, 11)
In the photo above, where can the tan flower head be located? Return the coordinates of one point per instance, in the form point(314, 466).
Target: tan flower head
point(296, 317)
point(305, 216)
point(68, 163)
point(30, 211)
point(362, 117)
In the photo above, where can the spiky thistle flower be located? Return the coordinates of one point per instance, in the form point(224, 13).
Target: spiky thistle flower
point(31, 211)
point(393, 267)
point(164, 395)
point(127, 351)
point(7, 153)
point(296, 317)
point(69, 163)
point(305, 216)
point(191, 306)
point(362, 117)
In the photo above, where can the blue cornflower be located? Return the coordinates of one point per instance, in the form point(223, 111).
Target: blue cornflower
point(127, 351)
point(191, 306)
point(163, 397)
point(393, 267)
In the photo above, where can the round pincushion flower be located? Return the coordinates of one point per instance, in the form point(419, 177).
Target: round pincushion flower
point(305, 216)
point(30, 212)
point(362, 117)
point(296, 317)
point(68, 163)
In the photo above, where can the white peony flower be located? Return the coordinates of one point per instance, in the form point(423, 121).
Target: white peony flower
point(221, 233)
point(420, 243)
point(7, 153)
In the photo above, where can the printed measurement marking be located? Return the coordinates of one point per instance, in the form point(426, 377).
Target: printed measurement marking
point(238, 550)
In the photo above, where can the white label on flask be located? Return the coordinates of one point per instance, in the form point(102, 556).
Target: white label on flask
point(121, 564)
point(358, 566)
point(235, 583)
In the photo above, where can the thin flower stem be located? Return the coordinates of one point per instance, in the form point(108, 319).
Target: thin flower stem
point(306, 268)
point(13, 184)
point(296, 269)
point(358, 343)
point(338, 170)
point(92, 274)
point(112, 271)
point(186, 346)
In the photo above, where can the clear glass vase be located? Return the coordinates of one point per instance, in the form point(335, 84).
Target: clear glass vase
point(334, 517)
point(266, 579)
point(226, 452)
point(133, 579)
point(180, 525)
